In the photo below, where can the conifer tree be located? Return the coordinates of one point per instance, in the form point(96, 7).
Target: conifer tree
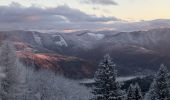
point(130, 92)
point(134, 92)
point(159, 88)
point(137, 93)
point(106, 88)
point(11, 84)
point(151, 95)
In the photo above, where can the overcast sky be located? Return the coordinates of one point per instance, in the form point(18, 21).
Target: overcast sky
point(83, 14)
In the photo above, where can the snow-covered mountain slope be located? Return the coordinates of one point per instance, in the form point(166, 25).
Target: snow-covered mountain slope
point(86, 39)
point(96, 36)
point(152, 39)
point(132, 51)
point(37, 38)
point(59, 40)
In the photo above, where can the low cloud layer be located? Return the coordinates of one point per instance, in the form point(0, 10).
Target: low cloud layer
point(100, 2)
point(17, 17)
point(63, 17)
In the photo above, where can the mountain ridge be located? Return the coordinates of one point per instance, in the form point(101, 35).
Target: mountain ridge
point(131, 50)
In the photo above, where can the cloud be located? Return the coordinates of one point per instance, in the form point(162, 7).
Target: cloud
point(141, 25)
point(16, 17)
point(78, 16)
point(100, 2)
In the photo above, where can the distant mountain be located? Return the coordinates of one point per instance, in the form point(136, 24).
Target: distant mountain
point(134, 52)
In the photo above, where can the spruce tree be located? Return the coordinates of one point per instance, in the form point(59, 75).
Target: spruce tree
point(130, 92)
point(134, 92)
point(106, 87)
point(159, 88)
point(137, 93)
point(151, 95)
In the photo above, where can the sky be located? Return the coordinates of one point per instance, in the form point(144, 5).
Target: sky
point(70, 15)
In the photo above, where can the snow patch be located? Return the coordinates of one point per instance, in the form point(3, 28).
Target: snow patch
point(37, 38)
point(59, 40)
point(96, 36)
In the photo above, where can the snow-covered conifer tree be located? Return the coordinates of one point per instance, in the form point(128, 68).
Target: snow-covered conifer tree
point(130, 92)
point(151, 95)
point(106, 88)
point(159, 88)
point(11, 88)
point(137, 93)
point(134, 92)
